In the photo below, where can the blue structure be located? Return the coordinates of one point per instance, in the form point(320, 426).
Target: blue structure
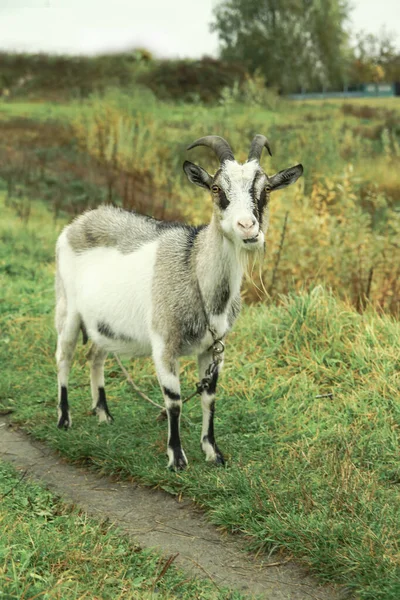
point(366, 90)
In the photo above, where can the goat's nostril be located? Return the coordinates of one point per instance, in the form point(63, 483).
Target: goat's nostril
point(246, 223)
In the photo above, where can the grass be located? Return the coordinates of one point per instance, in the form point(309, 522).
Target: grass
point(391, 103)
point(314, 475)
point(41, 111)
point(51, 550)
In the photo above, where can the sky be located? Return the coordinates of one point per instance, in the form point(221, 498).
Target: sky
point(169, 28)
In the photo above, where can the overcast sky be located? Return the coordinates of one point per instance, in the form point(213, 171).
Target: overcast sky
point(166, 27)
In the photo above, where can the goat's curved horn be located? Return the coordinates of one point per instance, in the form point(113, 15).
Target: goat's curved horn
point(220, 146)
point(257, 145)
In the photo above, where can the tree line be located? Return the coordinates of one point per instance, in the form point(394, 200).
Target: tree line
point(303, 44)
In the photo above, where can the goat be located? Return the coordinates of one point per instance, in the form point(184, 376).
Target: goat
point(138, 286)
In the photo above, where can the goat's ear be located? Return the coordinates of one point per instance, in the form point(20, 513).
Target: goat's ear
point(285, 177)
point(197, 175)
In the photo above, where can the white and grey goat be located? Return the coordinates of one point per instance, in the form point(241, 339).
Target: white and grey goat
point(138, 286)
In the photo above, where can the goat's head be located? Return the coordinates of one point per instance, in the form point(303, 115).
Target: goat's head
point(240, 192)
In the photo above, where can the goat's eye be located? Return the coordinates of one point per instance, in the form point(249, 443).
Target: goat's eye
point(268, 188)
point(215, 189)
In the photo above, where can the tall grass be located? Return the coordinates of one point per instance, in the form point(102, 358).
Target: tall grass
point(332, 238)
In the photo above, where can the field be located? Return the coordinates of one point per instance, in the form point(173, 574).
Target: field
point(308, 412)
point(129, 149)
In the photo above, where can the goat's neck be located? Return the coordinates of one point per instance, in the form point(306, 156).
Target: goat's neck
point(217, 265)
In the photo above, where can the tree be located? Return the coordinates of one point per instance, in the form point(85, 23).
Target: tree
point(293, 43)
point(375, 58)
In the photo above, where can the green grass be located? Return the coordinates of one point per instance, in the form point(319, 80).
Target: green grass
point(41, 111)
point(392, 103)
point(51, 550)
point(318, 477)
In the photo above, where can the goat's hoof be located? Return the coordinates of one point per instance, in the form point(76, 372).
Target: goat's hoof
point(212, 452)
point(64, 422)
point(177, 459)
point(104, 415)
point(219, 459)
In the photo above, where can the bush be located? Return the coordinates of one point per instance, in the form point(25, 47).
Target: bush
point(192, 80)
point(57, 76)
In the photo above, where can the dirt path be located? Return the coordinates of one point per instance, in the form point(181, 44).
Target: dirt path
point(155, 519)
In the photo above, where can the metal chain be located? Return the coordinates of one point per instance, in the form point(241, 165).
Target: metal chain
point(218, 348)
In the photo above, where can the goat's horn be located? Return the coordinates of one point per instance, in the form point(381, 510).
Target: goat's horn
point(257, 145)
point(220, 146)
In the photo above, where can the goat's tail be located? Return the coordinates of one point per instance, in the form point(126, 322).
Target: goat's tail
point(61, 297)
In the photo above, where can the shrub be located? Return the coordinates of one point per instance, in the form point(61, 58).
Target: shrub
point(192, 80)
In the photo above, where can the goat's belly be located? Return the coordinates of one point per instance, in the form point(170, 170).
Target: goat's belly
point(114, 298)
point(120, 346)
point(114, 335)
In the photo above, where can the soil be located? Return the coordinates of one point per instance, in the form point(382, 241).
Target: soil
point(169, 524)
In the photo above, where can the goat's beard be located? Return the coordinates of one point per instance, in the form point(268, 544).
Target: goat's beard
point(249, 258)
point(251, 264)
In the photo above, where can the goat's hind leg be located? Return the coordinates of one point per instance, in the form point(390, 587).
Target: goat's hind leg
point(97, 356)
point(68, 326)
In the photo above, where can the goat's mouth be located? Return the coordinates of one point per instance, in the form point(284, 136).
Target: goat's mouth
point(252, 240)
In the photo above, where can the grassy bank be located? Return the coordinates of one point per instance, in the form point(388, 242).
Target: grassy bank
point(307, 415)
point(53, 551)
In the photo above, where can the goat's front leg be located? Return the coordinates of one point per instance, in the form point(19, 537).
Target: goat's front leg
point(208, 443)
point(167, 372)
